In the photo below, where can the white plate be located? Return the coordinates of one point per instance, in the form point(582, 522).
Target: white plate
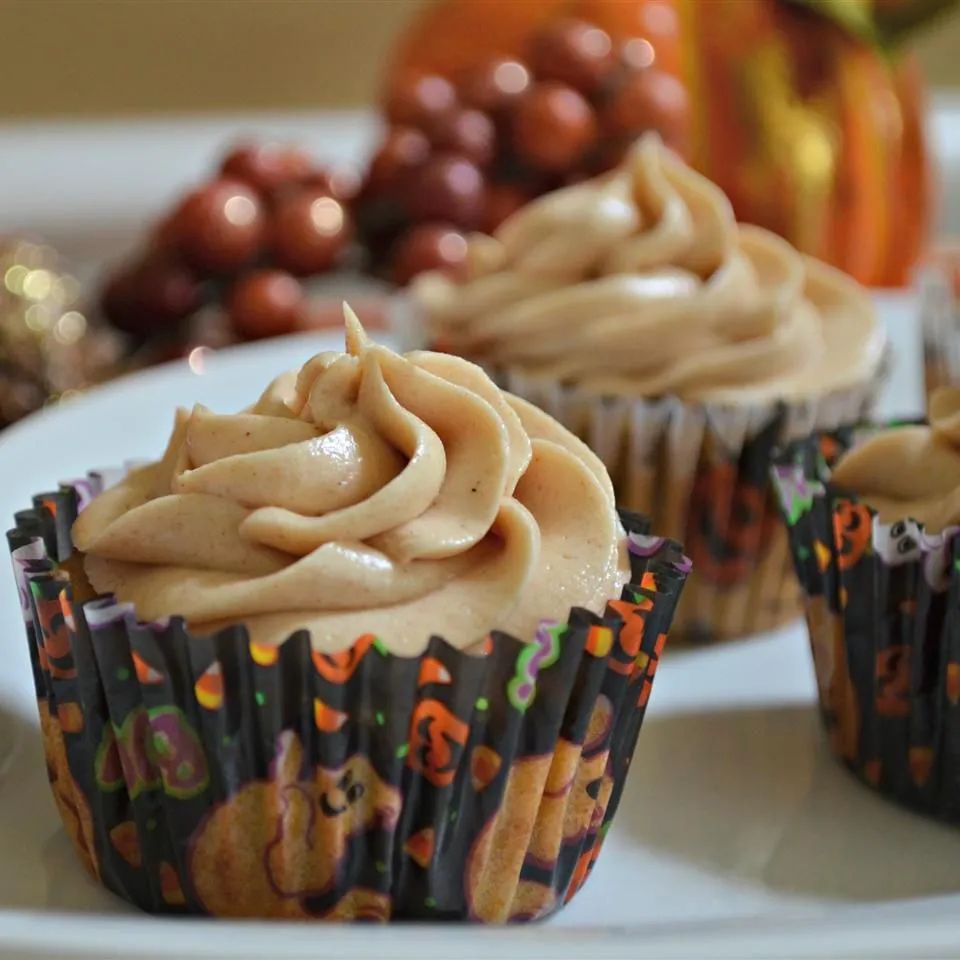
point(737, 835)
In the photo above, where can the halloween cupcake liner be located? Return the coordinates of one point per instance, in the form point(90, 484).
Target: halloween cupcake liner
point(700, 471)
point(882, 604)
point(207, 774)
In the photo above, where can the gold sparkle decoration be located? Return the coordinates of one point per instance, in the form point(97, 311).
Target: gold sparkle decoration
point(49, 349)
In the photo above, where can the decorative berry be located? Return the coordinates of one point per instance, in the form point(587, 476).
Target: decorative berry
point(417, 100)
point(648, 100)
point(495, 86)
point(469, 133)
point(636, 54)
point(272, 207)
point(472, 152)
point(448, 188)
point(220, 227)
point(310, 231)
point(429, 246)
point(266, 303)
point(148, 297)
point(342, 183)
point(403, 150)
point(553, 127)
point(266, 167)
point(573, 52)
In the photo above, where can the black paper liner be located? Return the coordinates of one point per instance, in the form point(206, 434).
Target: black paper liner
point(204, 774)
point(882, 604)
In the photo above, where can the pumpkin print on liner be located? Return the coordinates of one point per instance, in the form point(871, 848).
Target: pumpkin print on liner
point(276, 846)
point(203, 774)
point(731, 523)
point(71, 802)
point(851, 531)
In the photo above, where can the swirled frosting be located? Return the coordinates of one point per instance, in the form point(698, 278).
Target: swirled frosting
point(402, 496)
point(640, 282)
point(911, 472)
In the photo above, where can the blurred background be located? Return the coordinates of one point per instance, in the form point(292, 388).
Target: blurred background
point(186, 174)
point(107, 57)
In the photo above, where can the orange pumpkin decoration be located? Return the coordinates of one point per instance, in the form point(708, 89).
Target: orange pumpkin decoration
point(852, 526)
point(810, 129)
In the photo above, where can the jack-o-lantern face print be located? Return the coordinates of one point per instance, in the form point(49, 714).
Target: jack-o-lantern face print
point(339, 667)
point(437, 739)
point(342, 795)
point(730, 525)
point(851, 532)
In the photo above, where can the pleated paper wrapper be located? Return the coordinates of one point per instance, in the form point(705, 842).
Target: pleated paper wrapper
point(206, 774)
point(882, 603)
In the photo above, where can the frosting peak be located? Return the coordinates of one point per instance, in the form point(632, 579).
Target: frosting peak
point(911, 472)
point(641, 282)
point(370, 493)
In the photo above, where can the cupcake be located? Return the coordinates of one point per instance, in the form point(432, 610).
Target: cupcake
point(682, 347)
point(873, 518)
point(377, 647)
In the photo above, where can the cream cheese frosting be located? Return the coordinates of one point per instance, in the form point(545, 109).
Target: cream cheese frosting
point(641, 283)
point(911, 472)
point(399, 495)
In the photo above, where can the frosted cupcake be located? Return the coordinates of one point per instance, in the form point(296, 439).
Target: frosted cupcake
point(874, 534)
point(682, 347)
point(377, 647)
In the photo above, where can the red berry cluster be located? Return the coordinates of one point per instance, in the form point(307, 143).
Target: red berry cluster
point(268, 217)
point(461, 156)
point(457, 156)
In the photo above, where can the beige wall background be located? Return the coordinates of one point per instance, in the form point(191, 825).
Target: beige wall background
point(116, 57)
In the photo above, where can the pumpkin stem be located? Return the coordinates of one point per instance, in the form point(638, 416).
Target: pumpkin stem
point(880, 23)
point(896, 20)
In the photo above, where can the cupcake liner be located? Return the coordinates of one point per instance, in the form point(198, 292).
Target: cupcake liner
point(700, 471)
point(208, 774)
point(882, 604)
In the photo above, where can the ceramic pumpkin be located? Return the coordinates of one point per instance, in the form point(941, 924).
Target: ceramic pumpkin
point(852, 525)
point(796, 109)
